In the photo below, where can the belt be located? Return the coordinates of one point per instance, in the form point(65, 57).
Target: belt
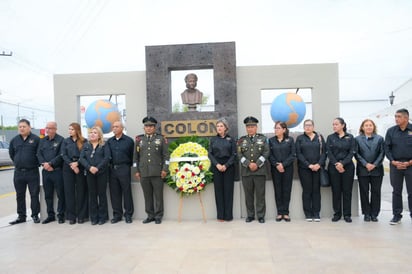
point(119, 165)
point(25, 169)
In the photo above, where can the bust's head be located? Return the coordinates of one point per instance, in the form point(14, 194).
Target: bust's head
point(191, 81)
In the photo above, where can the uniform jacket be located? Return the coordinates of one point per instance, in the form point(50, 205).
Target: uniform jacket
point(309, 151)
point(282, 152)
point(98, 157)
point(222, 150)
point(23, 152)
point(152, 155)
point(49, 151)
point(253, 150)
point(369, 151)
point(340, 149)
point(70, 152)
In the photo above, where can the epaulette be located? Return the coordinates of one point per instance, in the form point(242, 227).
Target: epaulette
point(241, 139)
point(139, 137)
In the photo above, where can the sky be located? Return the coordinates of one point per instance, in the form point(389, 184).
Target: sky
point(371, 41)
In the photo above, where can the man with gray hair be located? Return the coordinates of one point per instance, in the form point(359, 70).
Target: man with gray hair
point(50, 159)
point(121, 147)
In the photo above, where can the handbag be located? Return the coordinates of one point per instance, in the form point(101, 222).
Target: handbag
point(323, 173)
point(324, 177)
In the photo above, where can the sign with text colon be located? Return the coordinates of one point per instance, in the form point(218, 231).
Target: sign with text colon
point(188, 127)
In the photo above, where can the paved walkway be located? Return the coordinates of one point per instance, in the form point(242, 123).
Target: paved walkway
point(212, 247)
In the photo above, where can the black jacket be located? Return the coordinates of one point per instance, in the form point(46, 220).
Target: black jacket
point(369, 150)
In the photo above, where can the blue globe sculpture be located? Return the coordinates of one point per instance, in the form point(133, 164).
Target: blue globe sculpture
point(288, 108)
point(102, 113)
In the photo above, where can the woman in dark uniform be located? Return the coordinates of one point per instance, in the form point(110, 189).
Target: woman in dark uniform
point(75, 187)
point(310, 151)
point(369, 154)
point(95, 157)
point(282, 156)
point(340, 147)
point(222, 154)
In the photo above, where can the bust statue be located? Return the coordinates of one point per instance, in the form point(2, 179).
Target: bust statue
point(191, 96)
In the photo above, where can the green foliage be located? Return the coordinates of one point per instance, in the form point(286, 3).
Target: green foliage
point(8, 127)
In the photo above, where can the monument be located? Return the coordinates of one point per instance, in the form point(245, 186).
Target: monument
point(191, 96)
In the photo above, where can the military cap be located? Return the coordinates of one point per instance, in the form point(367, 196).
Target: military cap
point(250, 121)
point(149, 121)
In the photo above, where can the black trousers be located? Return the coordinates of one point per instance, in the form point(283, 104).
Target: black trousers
point(121, 190)
point(370, 206)
point(282, 183)
point(75, 194)
point(97, 187)
point(252, 184)
point(153, 196)
point(397, 176)
point(224, 183)
point(342, 184)
point(310, 182)
point(53, 181)
point(27, 178)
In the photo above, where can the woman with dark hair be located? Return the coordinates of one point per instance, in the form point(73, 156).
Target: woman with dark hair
point(282, 155)
point(310, 151)
point(369, 154)
point(75, 187)
point(222, 154)
point(340, 147)
point(95, 157)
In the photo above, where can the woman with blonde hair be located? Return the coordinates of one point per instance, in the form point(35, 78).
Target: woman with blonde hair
point(75, 187)
point(222, 154)
point(369, 154)
point(95, 157)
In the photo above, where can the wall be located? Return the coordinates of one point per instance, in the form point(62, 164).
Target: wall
point(322, 78)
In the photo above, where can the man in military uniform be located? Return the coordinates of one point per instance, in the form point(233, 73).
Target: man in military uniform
point(121, 148)
point(50, 159)
point(22, 150)
point(152, 161)
point(253, 151)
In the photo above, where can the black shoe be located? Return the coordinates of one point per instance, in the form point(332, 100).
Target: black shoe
point(80, 221)
point(49, 220)
point(395, 220)
point(158, 221)
point(279, 218)
point(374, 218)
point(102, 222)
point(367, 218)
point(61, 220)
point(262, 220)
point(286, 218)
point(72, 222)
point(36, 219)
point(115, 220)
point(129, 220)
point(18, 221)
point(336, 218)
point(148, 220)
point(249, 219)
point(347, 219)
point(95, 222)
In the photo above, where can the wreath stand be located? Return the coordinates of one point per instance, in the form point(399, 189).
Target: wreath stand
point(179, 218)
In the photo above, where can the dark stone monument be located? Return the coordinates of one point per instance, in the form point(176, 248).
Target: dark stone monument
point(161, 60)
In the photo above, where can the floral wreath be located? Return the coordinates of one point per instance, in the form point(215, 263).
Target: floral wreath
point(189, 165)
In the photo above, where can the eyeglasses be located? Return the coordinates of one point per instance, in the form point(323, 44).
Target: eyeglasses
point(51, 128)
point(308, 125)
